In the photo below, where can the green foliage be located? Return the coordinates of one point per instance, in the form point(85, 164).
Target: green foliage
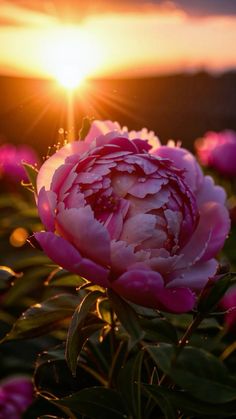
point(127, 316)
point(200, 373)
point(129, 384)
point(43, 317)
point(96, 403)
point(172, 401)
point(213, 293)
point(77, 334)
point(32, 173)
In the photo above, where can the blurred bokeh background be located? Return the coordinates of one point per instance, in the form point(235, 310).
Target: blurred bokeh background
point(166, 65)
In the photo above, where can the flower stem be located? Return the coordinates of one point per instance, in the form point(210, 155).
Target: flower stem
point(188, 333)
point(183, 342)
point(228, 351)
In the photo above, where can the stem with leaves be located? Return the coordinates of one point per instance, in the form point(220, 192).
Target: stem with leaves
point(184, 341)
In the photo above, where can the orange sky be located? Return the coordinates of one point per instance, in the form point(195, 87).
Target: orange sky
point(134, 41)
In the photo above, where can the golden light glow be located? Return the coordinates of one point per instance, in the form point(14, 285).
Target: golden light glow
point(69, 77)
point(113, 44)
point(18, 237)
point(71, 55)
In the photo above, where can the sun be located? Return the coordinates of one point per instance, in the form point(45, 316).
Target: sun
point(71, 55)
point(69, 77)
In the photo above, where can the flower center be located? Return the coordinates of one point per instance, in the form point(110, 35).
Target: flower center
point(105, 204)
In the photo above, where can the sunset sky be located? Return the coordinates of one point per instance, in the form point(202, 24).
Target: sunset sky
point(116, 38)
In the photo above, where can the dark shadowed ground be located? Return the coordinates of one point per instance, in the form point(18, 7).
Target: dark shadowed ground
point(181, 107)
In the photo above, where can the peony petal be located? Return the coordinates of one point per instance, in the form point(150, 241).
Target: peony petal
point(146, 288)
point(156, 241)
point(100, 128)
point(140, 286)
point(114, 222)
point(210, 192)
point(183, 159)
point(196, 276)
point(66, 255)
point(165, 265)
point(47, 201)
point(125, 144)
point(210, 234)
point(121, 183)
point(61, 175)
point(88, 177)
point(122, 256)
point(148, 166)
point(138, 228)
point(142, 145)
point(177, 300)
point(47, 170)
point(150, 203)
point(143, 187)
point(75, 199)
point(143, 135)
point(86, 233)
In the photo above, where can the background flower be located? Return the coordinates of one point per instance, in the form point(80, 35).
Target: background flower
point(11, 158)
point(218, 150)
point(16, 394)
point(139, 218)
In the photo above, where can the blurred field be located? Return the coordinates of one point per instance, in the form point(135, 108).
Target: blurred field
point(181, 107)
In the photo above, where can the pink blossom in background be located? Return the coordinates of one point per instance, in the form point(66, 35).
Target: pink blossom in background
point(218, 150)
point(11, 158)
point(228, 303)
point(129, 214)
point(16, 395)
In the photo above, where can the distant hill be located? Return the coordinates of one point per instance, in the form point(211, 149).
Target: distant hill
point(181, 107)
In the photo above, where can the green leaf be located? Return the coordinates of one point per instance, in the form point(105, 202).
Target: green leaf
point(96, 403)
point(203, 375)
point(189, 405)
point(75, 340)
point(127, 316)
point(104, 310)
point(29, 282)
point(32, 174)
point(161, 400)
point(129, 383)
point(42, 318)
point(118, 361)
point(6, 277)
point(31, 260)
point(79, 340)
point(162, 354)
point(159, 330)
point(8, 273)
point(86, 125)
point(65, 279)
point(51, 374)
point(211, 297)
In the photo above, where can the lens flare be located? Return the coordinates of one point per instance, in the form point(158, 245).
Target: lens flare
point(71, 55)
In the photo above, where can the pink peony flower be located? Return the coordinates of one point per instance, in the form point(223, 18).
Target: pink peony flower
point(16, 394)
point(228, 303)
point(11, 159)
point(140, 219)
point(218, 150)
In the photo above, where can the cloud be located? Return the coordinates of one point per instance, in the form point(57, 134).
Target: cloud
point(207, 7)
point(19, 12)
